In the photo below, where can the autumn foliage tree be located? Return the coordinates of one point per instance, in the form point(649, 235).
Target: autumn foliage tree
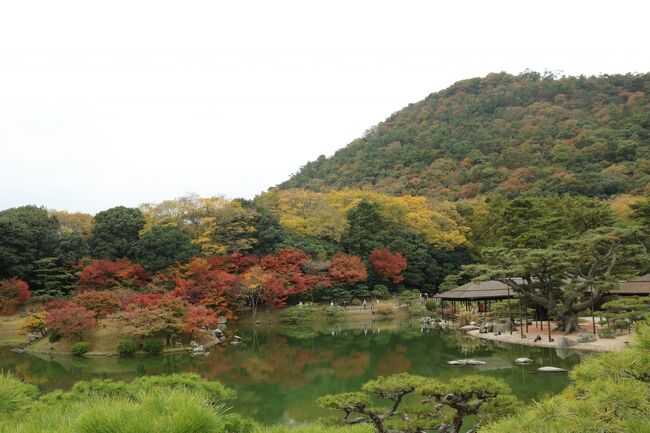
point(163, 317)
point(206, 282)
point(285, 276)
point(70, 320)
point(13, 294)
point(347, 269)
point(255, 285)
point(389, 265)
point(101, 302)
point(198, 317)
point(107, 274)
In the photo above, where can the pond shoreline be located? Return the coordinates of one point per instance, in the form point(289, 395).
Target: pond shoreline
point(601, 345)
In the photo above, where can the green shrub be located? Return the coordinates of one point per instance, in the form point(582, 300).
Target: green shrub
point(380, 291)
point(153, 346)
point(53, 336)
point(126, 347)
point(320, 428)
point(215, 391)
point(332, 313)
point(181, 403)
point(297, 314)
point(431, 306)
point(14, 393)
point(356, 302)
point(606, 333)
point(408, 297)
point(80, 348)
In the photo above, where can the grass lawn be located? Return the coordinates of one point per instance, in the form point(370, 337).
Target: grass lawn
point(102, 340)
point(10, 330)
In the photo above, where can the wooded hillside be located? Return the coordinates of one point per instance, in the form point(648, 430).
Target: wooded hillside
point(503, 133)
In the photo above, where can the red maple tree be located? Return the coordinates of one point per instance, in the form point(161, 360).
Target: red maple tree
point(107, 274)
point(101, 302)
point(285, 276)
point(346, 269)
point(199, 282)
point(13, 294)
point(198, 317)
point(70, 320)
point(388, 265)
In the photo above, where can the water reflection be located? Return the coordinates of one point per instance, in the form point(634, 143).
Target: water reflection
point(279, 372)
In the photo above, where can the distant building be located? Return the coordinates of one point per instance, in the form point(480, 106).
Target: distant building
point(637, 287)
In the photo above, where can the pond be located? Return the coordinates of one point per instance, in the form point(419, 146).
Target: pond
point(280, 371)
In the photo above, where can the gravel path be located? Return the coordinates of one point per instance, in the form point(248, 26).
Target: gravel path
point(600, 345)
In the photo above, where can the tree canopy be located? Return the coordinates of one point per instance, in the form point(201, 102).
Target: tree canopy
point(529, 133)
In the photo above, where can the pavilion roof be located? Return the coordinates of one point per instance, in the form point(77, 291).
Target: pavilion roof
point(475, 291)
point(637, 286)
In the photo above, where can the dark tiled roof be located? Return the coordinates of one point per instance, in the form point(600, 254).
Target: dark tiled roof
point(483, 290)
point(637, 286)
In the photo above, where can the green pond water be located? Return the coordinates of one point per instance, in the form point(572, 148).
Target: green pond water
point(280, 371)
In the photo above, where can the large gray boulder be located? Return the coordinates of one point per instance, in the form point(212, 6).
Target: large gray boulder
point(563, 342)
point(486, 328)
point(586, 337)
point(31, 337)
point(507, 326)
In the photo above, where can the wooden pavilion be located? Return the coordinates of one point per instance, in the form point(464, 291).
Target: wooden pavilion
point(637, 287)
point(482, 293)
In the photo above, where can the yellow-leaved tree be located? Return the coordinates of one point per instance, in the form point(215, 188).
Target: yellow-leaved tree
point(323, 214)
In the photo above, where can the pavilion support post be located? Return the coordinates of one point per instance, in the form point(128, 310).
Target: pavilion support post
point(510, 312)
point(526, 319)
point(548, 322)
point(521, 320)
point(593, 317)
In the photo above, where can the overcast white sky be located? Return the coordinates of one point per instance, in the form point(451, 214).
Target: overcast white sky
point(122, 102)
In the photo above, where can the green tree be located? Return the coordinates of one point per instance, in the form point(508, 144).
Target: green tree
point(72, 247)
point(115, 232)
point(231, 229)
point(27, 234)
point(163, 245)
point(50, 280)
point(571, 276)
point(641, 212)
point(367, 229)
point(269, 232)
point(444, 408)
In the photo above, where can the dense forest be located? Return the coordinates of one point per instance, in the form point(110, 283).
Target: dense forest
point(529, 133)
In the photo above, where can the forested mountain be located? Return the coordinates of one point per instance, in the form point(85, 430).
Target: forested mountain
point(503, 133)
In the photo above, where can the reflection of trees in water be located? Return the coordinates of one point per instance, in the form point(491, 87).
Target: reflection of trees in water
point(395, 361)
point(469, 345)
point(279, 372)
point(353, 365)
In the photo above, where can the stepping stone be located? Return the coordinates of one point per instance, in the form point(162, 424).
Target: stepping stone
point(551, 370)
point(466, 362)
point(523, 361)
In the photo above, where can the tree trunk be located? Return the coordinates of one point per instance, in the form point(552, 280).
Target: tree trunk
point(457, 422)
point(568, 321)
